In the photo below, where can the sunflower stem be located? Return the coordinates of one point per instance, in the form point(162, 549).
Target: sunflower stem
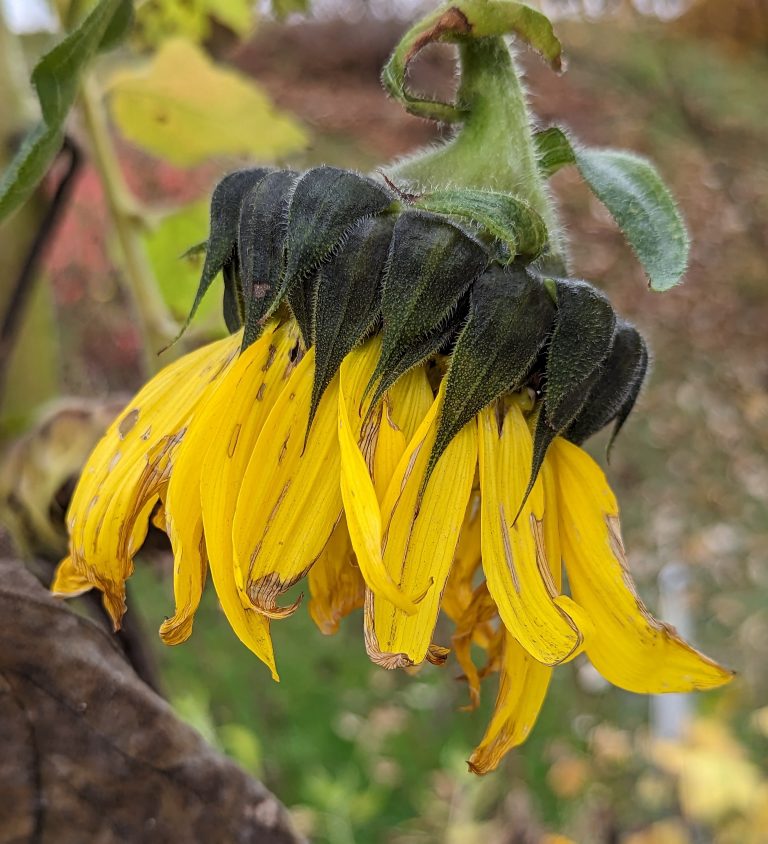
point(156, 324)
point(493, 147)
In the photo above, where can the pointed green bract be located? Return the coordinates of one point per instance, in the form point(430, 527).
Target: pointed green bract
point(261, 247)
point(326, 203)
point(581, 341)
point(431, 265)
point(301, 299)
point(415, 353)
point(348, 300)
point(233, 299)
point(615, 393)
point(510, 318)
point(584, 332)
point(220, 248)
point(504, 217)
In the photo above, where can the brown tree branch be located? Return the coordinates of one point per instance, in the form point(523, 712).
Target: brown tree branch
point(90, 753)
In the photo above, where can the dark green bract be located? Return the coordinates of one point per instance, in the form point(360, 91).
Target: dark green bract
point(455, 274)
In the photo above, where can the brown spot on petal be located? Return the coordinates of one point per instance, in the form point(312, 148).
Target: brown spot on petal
point(127, 422)
point(508, 556)
point(390, 661)
point(265, 591)
point(234, 437)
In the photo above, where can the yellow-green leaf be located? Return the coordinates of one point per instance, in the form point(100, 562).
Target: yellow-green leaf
point(182, 107)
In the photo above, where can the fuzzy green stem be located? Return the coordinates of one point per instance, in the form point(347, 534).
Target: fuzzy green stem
point(493, 147)
point(157, 326)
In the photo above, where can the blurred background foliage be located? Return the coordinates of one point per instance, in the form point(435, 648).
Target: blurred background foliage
point(360, 754)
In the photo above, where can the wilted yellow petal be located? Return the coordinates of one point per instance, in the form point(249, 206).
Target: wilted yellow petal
point(67, 580)
point(290, 498)
point(183, 510)
point(335, 582)
point(419, 540)
point(120, 482)
point(185, 108)
point(459, 589)
point(479, 611)
point(522, 689)
point(514, 553)
point(244, 402)
point(361, 504)
point(630, 648)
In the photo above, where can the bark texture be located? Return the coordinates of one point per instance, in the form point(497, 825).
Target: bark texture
point(92, 754)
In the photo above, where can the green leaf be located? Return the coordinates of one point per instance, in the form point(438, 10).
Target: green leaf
point(56, 79)
point(633, 191)
point(178, 272)
point(554, 149)
point(460, 20)
point(184, 108)
point(631, 188)
point(505, 217)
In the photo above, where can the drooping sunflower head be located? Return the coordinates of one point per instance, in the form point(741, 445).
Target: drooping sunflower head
point(396, 417)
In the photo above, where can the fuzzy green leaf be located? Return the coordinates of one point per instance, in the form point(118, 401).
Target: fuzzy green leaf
point(460, 20)
point(632, 190)
point(510, 318)
point(56, 79)
point(505, 217)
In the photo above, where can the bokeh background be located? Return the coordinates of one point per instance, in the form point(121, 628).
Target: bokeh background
point(364, 755)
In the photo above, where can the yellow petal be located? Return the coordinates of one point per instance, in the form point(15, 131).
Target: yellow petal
point(258, 378)
point(118, 487)
point(514, 554)
point(419, 539)
point(390, 447)
point(459, 588)
point(522, 689)
point(410, 399)
point(361, 504)
point(479, 611)
point(183, 509)
point(290, 498)
point(67, 580)
point(630, 648)
point(335, 582)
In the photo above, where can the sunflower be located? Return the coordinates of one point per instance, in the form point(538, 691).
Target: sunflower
point(404, 476)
